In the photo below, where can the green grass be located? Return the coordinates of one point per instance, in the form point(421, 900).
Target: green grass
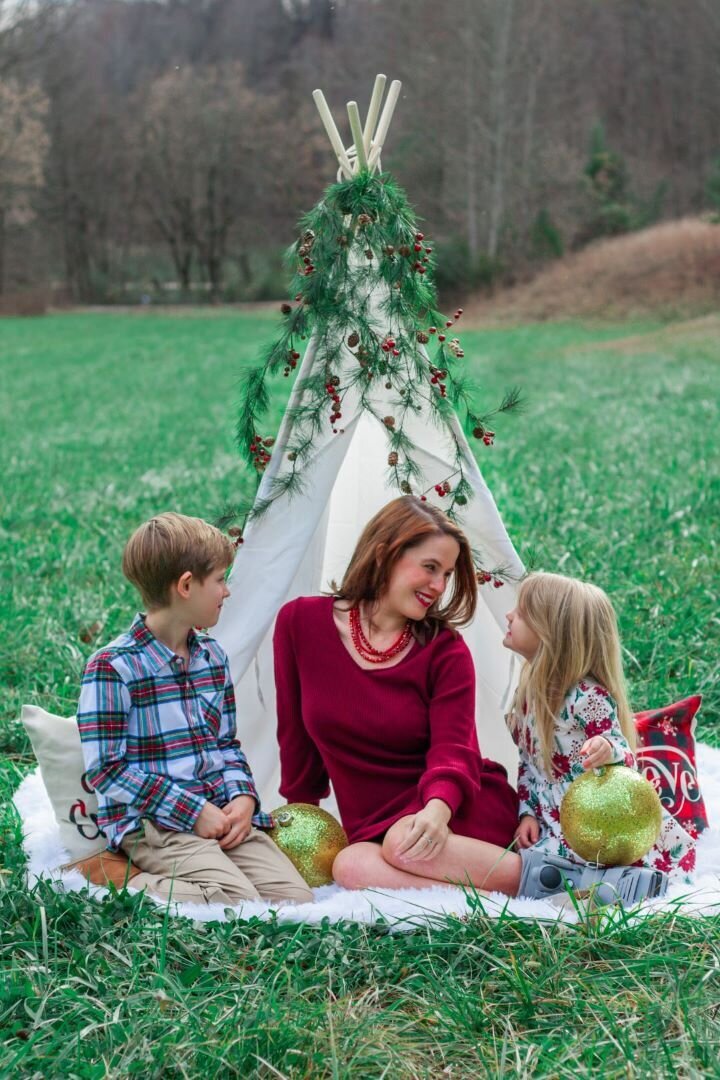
point(611, 473)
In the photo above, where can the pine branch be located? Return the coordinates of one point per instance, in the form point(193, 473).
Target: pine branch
point(359, 243)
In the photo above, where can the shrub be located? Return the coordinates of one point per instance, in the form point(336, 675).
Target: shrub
point(546, 241)
point(712, 188)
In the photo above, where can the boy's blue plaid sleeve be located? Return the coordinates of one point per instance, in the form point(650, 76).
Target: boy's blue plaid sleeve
point(102, 721)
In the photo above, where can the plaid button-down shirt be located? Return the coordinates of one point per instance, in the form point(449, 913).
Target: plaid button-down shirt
point(158, 733)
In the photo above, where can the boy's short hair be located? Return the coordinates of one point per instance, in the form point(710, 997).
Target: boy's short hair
point(162, 549)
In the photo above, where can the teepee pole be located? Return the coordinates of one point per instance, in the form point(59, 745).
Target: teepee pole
point(333, 133)
point(386, 117)
point(357, 134)
point(373, 111)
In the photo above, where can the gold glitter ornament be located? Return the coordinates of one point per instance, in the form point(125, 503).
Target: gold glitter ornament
point(611, 815)
point(311, 838)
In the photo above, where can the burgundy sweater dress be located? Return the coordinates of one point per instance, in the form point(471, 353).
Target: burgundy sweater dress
point(388, 740)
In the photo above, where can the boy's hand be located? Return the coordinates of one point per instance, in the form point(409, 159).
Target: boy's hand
point(211, 823)
point(238, 813)
point(527, 832)
point(596, 752)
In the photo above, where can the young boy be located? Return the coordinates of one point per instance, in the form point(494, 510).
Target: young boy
point(157, 724)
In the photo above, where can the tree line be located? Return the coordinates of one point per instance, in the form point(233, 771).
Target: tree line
point(166, 148)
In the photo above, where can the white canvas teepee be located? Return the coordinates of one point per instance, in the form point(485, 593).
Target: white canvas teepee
point(301, 543)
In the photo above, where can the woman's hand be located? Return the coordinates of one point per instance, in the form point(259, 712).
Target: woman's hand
point(427, 832)
point(528, 832)
point(596, 752)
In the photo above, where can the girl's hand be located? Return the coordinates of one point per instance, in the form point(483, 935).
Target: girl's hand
point(427, 833)
point(527, 832)
point(596, 752)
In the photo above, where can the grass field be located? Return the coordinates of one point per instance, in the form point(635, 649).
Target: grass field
point(611, 473)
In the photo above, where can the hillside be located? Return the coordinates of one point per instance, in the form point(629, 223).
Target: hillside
point(671, 269)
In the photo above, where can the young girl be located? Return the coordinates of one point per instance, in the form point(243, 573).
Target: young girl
point(570, 712)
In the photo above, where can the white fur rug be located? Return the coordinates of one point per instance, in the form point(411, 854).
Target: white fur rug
point(402, 909)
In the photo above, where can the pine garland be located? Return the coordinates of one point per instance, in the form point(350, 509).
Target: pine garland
point(363, 237)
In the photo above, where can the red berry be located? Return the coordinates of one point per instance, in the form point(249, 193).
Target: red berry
point(423, 498)
point(419, 236)
point(295, 355)
point(396, 352)
point(391, 342)
point(441, 337)
point(418, 247)
point(432, 329)
point(459, 311)
point(421, 269)
point(385, 347)
point(448, 323)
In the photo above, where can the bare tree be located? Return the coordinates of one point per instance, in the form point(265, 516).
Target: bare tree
point(206, 145)
point(23, 146)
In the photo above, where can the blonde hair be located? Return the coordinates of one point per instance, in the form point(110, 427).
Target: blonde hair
point(162, 549)
point(577, 628)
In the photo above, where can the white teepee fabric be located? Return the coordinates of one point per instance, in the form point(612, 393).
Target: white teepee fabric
point(299, 544)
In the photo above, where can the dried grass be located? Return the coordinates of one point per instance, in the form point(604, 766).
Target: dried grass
point(671, 269)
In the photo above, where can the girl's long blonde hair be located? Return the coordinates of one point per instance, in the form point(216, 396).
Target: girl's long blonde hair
point(578, 633)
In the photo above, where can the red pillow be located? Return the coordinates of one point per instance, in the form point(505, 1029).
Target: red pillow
point(666, 757)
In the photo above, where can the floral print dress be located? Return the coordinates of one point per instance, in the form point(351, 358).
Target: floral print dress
point(588, 710)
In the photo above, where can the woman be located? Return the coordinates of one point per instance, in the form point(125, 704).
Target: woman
point(376, 693)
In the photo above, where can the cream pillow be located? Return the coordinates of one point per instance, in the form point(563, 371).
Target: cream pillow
point(56, 742)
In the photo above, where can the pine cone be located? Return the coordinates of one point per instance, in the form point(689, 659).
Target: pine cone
point(422, 337)
point(393, 458)
point(389, 421)
point(353, 340)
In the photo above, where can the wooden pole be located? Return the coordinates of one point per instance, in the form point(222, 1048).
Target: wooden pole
point(373, 111)
point(357, 134)
point(386, 117)
point(333, 133)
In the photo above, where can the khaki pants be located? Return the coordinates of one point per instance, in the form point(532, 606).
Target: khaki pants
point(185, 867)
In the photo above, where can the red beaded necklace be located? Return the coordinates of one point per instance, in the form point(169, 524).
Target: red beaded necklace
point(369, 652)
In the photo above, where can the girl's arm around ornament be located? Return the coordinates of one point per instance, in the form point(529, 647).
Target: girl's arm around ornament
point(595, 714)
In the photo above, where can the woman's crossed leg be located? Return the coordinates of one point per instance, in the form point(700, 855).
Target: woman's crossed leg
point(462, 860)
